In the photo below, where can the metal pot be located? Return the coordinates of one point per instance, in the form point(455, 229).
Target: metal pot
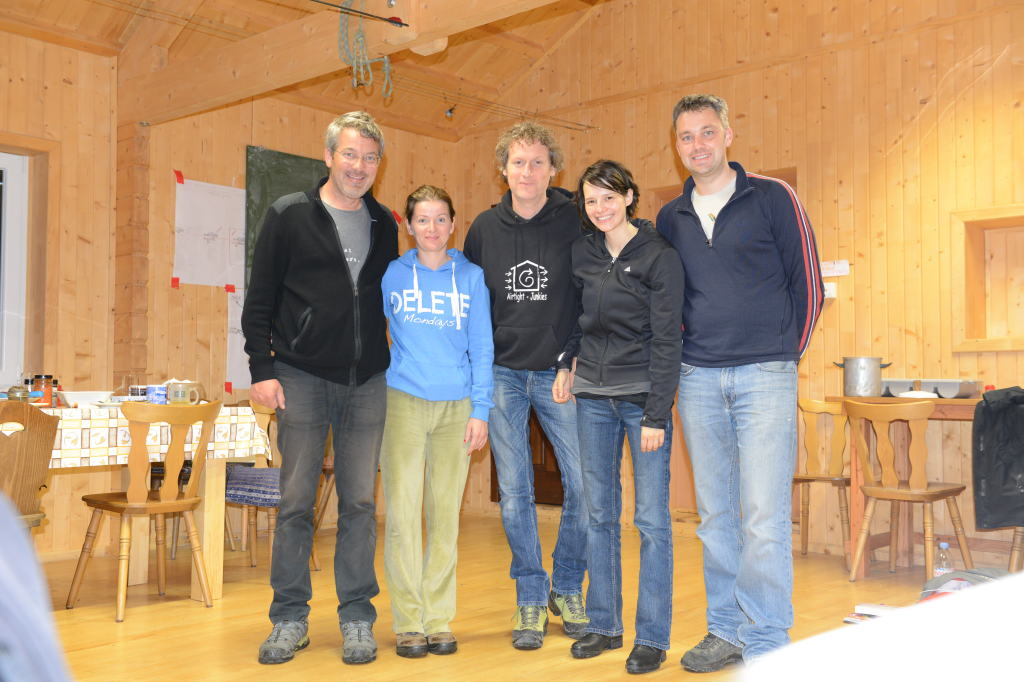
point(862, 376)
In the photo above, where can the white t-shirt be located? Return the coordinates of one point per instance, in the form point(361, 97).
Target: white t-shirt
point(707, 206)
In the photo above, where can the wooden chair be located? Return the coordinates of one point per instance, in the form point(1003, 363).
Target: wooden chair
point(25, 457)
point(260, 487)
point(823, 464)
point(1016, 550)
point(139, 500)
point(914, 488)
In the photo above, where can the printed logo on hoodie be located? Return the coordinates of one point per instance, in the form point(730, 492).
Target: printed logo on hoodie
point(526, 282)
point(412, 303)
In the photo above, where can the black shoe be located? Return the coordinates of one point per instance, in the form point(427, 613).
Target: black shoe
point(713, 653)
point(593, 644)
point(644, 659)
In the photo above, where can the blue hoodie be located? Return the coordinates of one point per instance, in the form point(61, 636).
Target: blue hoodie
point(440, 350)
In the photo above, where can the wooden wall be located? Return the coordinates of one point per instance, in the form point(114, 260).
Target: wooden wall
point(893, 115)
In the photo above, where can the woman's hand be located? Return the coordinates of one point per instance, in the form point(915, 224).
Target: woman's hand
point(651, 439)
point(476, 435)
point(561, 389)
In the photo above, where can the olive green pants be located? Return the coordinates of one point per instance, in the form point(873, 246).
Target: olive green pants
point(423, 465)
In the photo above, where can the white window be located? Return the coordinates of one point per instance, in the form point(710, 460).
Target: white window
point(13, 256)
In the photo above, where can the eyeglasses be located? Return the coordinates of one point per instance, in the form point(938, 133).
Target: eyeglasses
point(351, 157)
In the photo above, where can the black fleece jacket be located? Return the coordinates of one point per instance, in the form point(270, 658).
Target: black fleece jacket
point(631, 311)
point(527, 269)
point(303, 308)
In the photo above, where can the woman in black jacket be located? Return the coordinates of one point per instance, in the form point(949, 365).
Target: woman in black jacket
point(626, 348)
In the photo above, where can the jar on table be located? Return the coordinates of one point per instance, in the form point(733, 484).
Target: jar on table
point(43, 383)
point(18, 392)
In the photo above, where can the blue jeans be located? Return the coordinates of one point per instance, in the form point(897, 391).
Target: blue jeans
point(355, 415)
point(515, 390)
point(603, 424)
point(740, 429)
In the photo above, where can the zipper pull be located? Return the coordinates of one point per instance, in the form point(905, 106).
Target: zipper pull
point(707, 243)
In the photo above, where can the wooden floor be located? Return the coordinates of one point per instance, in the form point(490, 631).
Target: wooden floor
point(174, 638)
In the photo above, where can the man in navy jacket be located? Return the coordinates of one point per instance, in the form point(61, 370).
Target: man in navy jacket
point(753, 293)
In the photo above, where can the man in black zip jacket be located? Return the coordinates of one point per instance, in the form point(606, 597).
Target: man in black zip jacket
point(752, 295)
point(316, 337)
point(523, 244)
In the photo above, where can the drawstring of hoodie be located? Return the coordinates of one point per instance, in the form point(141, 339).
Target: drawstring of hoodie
point(455, 292)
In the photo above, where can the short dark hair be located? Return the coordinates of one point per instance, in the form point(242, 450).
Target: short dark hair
point(608, 175)
point(699, 102)
point(427, 193)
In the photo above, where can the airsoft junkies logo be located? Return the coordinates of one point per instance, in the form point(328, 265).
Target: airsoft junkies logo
point(526, 282)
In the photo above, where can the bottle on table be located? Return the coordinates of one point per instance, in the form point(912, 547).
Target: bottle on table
point(943, 564)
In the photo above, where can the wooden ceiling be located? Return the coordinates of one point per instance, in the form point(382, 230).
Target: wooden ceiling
point(180, 57)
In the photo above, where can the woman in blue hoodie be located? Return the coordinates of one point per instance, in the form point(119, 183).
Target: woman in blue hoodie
point(439, 395)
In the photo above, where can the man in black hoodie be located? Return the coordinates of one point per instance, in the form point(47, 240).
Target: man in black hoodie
point(315, 334)
point(523, 245)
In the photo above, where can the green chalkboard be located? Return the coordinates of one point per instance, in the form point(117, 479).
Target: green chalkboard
point(269, 175)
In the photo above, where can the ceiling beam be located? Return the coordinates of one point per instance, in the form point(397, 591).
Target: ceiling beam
point(23, 26)
point(293, 53)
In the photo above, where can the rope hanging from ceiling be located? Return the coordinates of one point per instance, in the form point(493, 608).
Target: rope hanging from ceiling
point(352, 51)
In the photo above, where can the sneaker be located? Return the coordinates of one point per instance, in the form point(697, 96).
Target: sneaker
point(531, 624)
point(287, 637)
point(359, 645)
point(411, 644)
point(570, 608)
point(713, 653)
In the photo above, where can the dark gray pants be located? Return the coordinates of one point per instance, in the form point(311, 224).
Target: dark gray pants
point(356, 417)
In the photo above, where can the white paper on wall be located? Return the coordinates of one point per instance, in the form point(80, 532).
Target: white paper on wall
point(209, 234)
point(238, 361)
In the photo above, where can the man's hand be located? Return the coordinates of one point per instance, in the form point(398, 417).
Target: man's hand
point(476, 435)
point(561, 389)
point(268, 393)
point(651, 439)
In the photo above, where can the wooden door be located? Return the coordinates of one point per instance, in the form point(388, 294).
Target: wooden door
point(547, 480)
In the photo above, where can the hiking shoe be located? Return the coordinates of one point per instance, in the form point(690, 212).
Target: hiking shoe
point(531, 624)
point(411, 644)
point(287, 637)
point(570, 608)
point(713, 653)
point(442, 643)
point(359, 645)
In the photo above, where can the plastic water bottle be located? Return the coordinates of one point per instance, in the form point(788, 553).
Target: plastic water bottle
point(943, 564)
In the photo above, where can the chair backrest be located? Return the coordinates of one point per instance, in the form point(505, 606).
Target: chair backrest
point(266, 419)
point(180, 418)
point(881, 417)
point(830, 461)
point(25, 453)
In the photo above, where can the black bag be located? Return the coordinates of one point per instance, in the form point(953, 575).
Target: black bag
point(999, 459)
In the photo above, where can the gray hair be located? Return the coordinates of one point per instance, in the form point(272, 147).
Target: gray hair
point(699, 102)
point(528, 132)
point(357, 120)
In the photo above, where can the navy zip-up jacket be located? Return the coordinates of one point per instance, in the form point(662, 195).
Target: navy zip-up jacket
point(753, 291)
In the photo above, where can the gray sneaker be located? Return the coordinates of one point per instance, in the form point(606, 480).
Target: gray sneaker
point(570, 608)
point(531, 623)
point(713, 653)
point(287, 637)
point(359, 646)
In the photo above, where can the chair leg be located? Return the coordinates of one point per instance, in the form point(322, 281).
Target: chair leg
point(175, 530)
point(894, 534)
point(314, 558)
point(958, 528)
point(251, 511)
point(245, 528)
point(228, 531)
point(1015, 551)
point(161, 558)
point(124, 549)
point(805, 514)
point(844, 518)
point(83, 558)
point(271, 531)
point(197, 557)
point(862, 537)
point(929, 542)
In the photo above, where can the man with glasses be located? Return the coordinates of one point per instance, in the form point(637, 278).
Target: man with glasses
point(315, 334)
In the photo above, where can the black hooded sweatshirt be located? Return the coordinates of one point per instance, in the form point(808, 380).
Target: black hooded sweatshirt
point(528, 269)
